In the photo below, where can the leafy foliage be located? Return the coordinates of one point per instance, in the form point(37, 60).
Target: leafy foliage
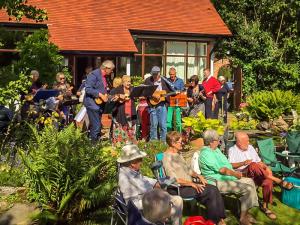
point(136, 80)
point(37, 53)
point(20, 8)
point(266, 105)
point(11, 176)
point(199, 124)
point(68, 176)
point(265, 42)
point(236, 124)
point(11, 92)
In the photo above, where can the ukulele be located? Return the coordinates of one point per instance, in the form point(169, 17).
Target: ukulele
point(99, 100)
point(160, 96)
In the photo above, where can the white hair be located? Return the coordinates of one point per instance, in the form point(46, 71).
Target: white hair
point(107, 64)
point(209, 136)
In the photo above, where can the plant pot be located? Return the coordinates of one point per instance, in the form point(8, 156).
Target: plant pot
point(197, 143)
point(106, 120)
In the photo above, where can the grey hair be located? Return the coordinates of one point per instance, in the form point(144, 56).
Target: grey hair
point(209, 136)
point(107, 64)
point(156, 205)
point(34, 72)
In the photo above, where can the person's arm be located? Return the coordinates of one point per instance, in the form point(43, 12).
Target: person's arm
point(89, 87)
point(239, 164)
point(229, 172)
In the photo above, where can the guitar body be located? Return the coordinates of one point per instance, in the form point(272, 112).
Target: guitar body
point(160, 96)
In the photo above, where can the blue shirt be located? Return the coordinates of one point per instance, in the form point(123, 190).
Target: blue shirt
point(178, 84)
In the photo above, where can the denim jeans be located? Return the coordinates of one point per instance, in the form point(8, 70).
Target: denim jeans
point(158, 119)
point(95, 123)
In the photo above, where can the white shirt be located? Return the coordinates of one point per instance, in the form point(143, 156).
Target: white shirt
point(236, 155)
point(158, 82)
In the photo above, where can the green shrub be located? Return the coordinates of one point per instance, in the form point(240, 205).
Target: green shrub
point(199, 124)
point(68, 176)
point(11, 176)
point(136, 80)
point(267, 105)
point(151, 148)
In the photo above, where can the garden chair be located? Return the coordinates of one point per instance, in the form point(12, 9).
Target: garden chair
point(293, 143)
point(268, 155)
point(119, 209)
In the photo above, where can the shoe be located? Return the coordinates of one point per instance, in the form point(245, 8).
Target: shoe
point(268, 213)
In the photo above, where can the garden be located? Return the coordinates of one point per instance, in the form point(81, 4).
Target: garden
point(63, 178)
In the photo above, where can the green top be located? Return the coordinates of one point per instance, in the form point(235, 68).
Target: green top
point(211, 161)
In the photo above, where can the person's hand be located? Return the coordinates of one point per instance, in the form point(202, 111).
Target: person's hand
point(198, 187)
point(247, 162)
point(190, 100)
point(238, 175)
point(157, 185)
point(78, 93)
point(104, 97)
point(202, 180)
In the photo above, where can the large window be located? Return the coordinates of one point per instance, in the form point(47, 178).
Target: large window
point(189, 58)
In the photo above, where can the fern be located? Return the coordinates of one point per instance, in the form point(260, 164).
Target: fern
point(66, 174)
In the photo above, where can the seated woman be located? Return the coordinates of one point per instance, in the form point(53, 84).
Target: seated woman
point(176, 167)
point(124, 113)
point(214, 164)
point(133, 185)
point(65, 93)
point(196, 96)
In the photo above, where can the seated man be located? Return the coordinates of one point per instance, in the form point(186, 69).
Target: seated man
point(134, 185)
point(216, 168)
point(245, 159)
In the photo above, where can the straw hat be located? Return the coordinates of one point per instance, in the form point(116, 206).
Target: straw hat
point(129, 153)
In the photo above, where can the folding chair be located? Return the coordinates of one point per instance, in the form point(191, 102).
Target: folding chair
point(119, 209)
point(135, 216)
point(268, 154)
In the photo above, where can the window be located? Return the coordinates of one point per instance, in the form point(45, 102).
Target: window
point(189, 58)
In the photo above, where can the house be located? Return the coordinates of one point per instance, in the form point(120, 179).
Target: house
point(135, 34)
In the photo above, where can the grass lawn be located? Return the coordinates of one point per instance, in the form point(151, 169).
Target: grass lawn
point(285, 214)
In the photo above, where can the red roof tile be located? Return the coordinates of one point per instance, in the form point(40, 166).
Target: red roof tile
point(91, 25)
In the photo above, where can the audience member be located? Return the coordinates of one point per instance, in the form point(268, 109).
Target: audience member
point(245, 159)
point(134, 185)
point(214, 165)
point(176, 167)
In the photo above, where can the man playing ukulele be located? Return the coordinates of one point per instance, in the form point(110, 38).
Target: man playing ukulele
point(158, 112)
point(95, 88)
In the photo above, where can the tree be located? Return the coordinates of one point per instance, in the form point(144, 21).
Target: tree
point(265, 42)
point(20, 8)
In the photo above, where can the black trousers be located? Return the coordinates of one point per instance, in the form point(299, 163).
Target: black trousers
point(210, 197)
point(209, 114)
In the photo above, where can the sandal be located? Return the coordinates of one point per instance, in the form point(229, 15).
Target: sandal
point(269, 213)
point(286, 185)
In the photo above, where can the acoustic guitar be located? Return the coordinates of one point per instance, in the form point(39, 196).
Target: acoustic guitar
point(160, 96)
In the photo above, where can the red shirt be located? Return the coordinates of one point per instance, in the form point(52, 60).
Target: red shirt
point(211, 85)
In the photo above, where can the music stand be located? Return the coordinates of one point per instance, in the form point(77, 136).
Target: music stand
point(143, 91)
point(45, 94)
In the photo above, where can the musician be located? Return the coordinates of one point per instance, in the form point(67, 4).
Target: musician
point(196, 96)
point(222, 96)
point(96, 87)
point(124, 113)
point(36, 83)
point(178, 86)
point(158, 113)
point(211, 86)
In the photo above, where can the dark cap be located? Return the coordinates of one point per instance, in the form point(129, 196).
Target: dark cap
point(155, 70)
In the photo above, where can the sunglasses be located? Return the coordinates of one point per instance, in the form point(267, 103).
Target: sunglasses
point(61, 78)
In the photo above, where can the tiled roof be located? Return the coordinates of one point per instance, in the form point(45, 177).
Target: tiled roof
point(94, 25)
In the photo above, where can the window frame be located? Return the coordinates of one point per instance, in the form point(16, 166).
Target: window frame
point(164, 55)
